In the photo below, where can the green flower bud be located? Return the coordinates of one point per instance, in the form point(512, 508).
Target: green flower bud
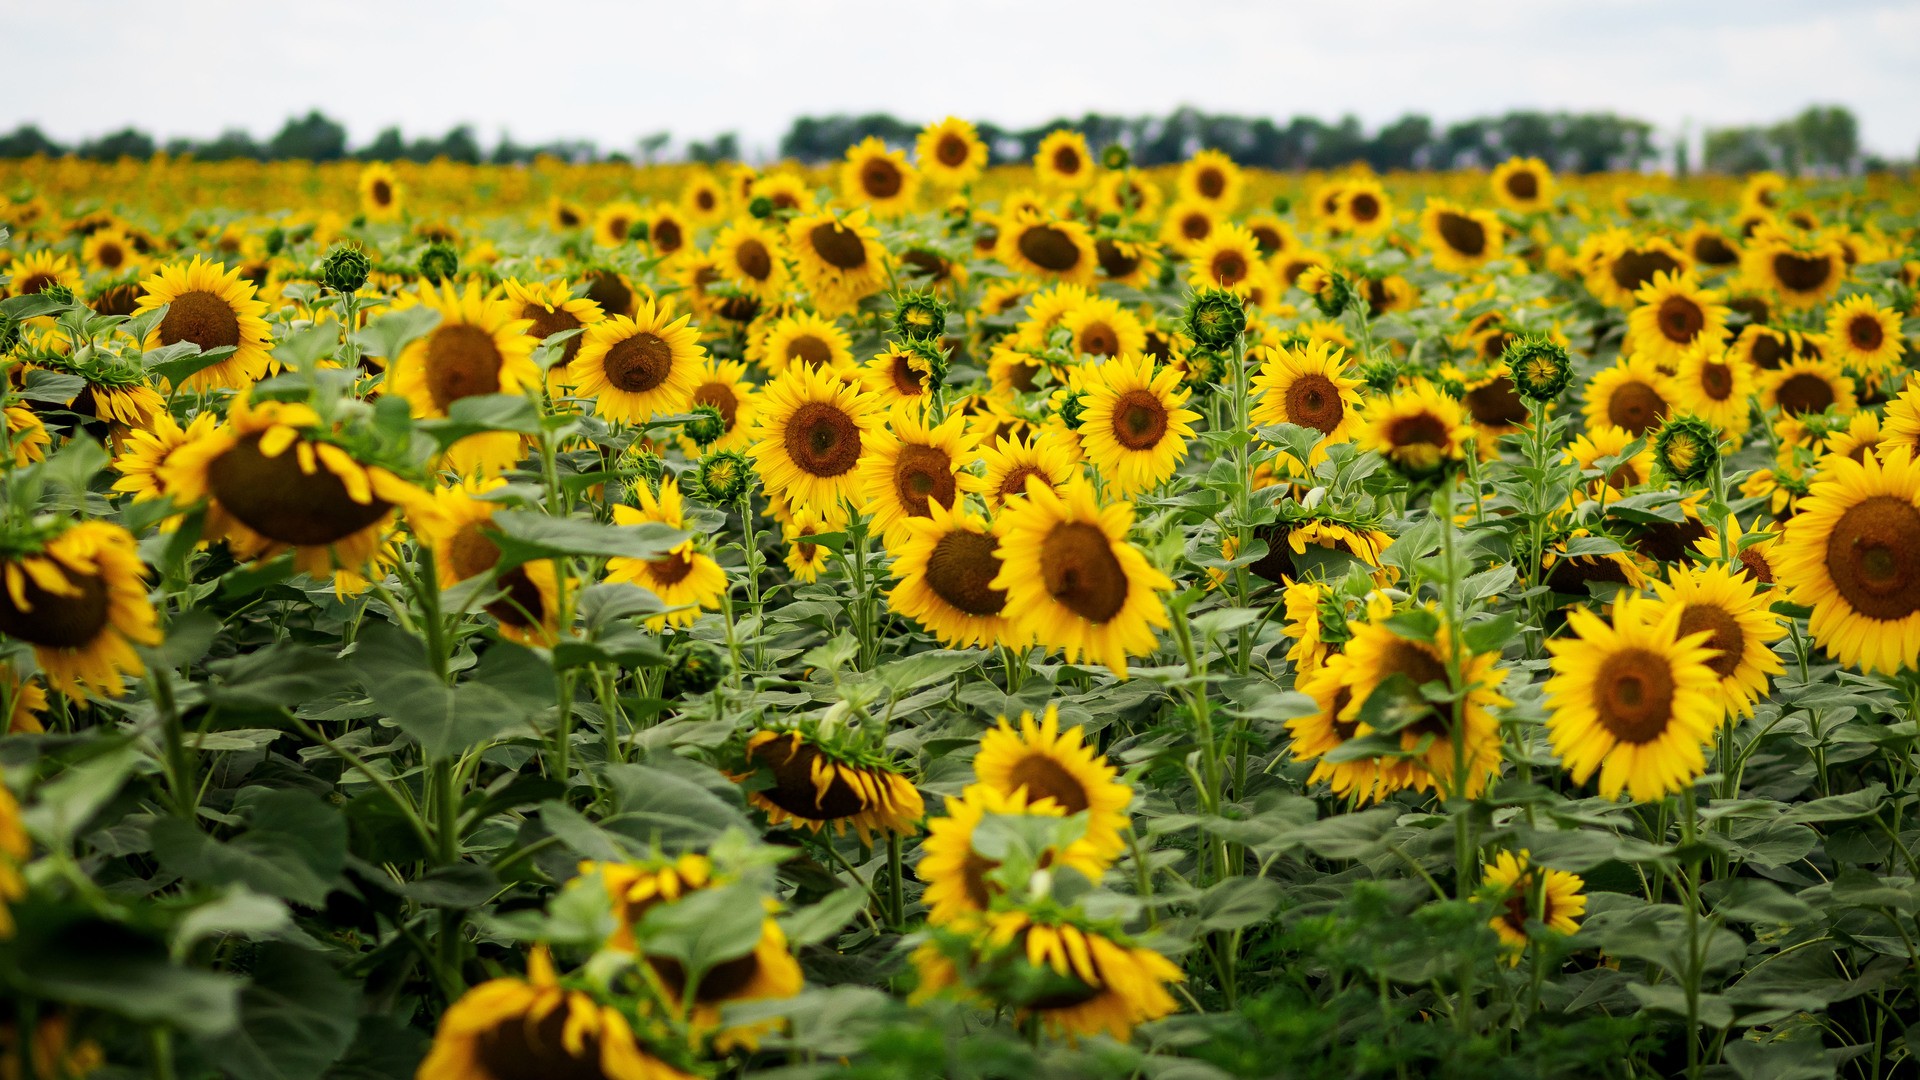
point(695, 668)
point(1380, 376)
point(724, 476)
point(706, 427)
point(345, 268)
point(927, 358)
point(1540, 369)
point(276, 239)
point(1115, 156)
point(1282, 204)
point(760, 207)
point(59, 294)
point(647, 467)
point(1073, 409)
point(439, 262)
point(1216, 318)
point(919, 315)
point(1686, 448)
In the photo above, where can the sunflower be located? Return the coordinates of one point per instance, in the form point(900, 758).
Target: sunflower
point(813, 430)
point(767, 973)
point(80, 600)
point(637, 887)
point(636, 369)
point(704, 199)
point(1048, 455)
point(1134, 426)
point(1035, 244)
point(901, 377)
point(908, 467)
point(275, 483)
point(54, 1051)
point(1531, 894)
point(815, 785)
point(806, 560)
point(212, 307)
point(1307, 385)
point(381, 193)
point(1288, 542)
point(612, 291)
point(950, 152)
point(21, 703)
point(958, 889)
point(1634, 395)
point(1902, 423)
point(685, 579)
point(1461, 240)
point(1315, 736)
point(878, 178)
point(1763, 348)
point(1635, 700)
point(1212, 177)
point(1866, 337)
point(1229, 258)
point(1072, 580)
point(1852, 554)
point(666, 231)
point(946, 562)
point(1710, 248)
point(26, 435)
point(1105, 984)
point(753, 256)
point(36, 271)
point(1050, 767)
point(1800, 387)
point(839, 257)
point(110, 252)
point(1365, 208)
point(1377, 653)
point(146, 452)
point(1135, 264)
point(805, 340)
point(1724, 601)
point(1623, 264)
point(1418, 428)
point(513, 1029)
point(1715, 385)
point(552, 309)
point(1063, 161)
point(615, 223)
point(1753, 551)
point(1675, 314)
point(1101, 327)
point(1575, 575)
point(1861, 436)
point(1523, 185)
point(15, 848)
point(453, 526)
point(723, 385)
point(788, 193)
point(1802, 272)
point(480, 347)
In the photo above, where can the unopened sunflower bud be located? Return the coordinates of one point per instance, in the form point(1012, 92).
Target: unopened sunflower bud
point(1216, 318)
point(695, 668)
point(345, 268)
point(439, 262)
point(1539, 367)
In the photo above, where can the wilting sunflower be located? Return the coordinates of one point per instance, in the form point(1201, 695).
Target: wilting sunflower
point(946, 562)
point(1633, 394)
point(274, 482)
point(480, 347)
point(908, 467)
point(1134, 426)
point(453, 526)
point(1852, 554)
point(1715, 385)
point(950, 152)
point(515, 1029)
point(1307, 385)
point(1063, 161)
point(1802, 272)
point(685, 579)
point(36, 271)
point(1037, 245)
point(1106, 984)
point(1805, 386)
point(80, 599)
point(840, 258)
point(804, 339)
point(1228, 258)
point(753, 256)
point(816, 785)
point(1211, 176)
point(723, 385)
point(813, 430)
point(1866, 337)
point(958, 890)
point(213, 307)
point(1635, 700)
point(1722, 600)
point(1058, 768)
point(1048, 455)
point(1674, 314)
point(550, 309)
point(1460, 239)
point(381, 193)
point(878, 178)
point(1524, 185)
point(636, 369)
point(1419, 429)
point(1527, 893)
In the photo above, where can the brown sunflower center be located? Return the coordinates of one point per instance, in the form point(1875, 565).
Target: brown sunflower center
point(1314, 401)
point(1139, 420)
point(1496, 403)
point(275, 498)
point(1050, 248)
point(1420, 667)
point(1769, 351)
point(1680, 319)
point(34, 284)
point(1727, 637)
point(1196, 226)
point(1114, 261)
point(754, 259)
point(721, 397)
point(880, 179)
point(202, 318)
point(922, 474)
point(671, 568)
point(1802, 273)
point(838, 245)
point(959, 569)
point(722, 982)
point(1016, 480)
point(1081, 571)
point(1417, 430)
point(1633, 267)
point(1804, 392)
point(119, 300)
point(1099, 339)
point(973, 879)
point(1716, 380)
point(612, 294)
point(1268, 239)
point(822, 439)
point(520, 1048)
point(110, 255)
point(1523, 185)
point(667, 235)
point(906, 381)
point(952, 151)
point(810, 350)
point(382, 193)
point(1211, 183)
point(1633, 695)
point(1046, 778)
point(1636, 407)
point(1229, 268)
point(1713, 250)
point(1756, 562)
point(1873, 557)
point(1363, 207)
point(639, 363)
point(617, 226)
point(1462, 233)
point(1066, 161)
point(462, 361)
point(52, 621)
point(548, 322)
point(1866, 333)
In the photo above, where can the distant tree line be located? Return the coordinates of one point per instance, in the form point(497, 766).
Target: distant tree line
point(1821, 139)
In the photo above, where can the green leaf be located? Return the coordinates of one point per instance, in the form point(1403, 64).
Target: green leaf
point(386, 335)
point(504, 694)
point(1779, 1058)
point(29, 306)
point(297, 1017)
point(525, 535)
point(182, 360)
point(819, 921)
point(484, 412)
point(239, 912)
point(90, 962)
point(300, 349)
point(704, 928)
point(282, 675)
point(294, 847)
point(66, 804)
point(657, 806)
point(1237, 903)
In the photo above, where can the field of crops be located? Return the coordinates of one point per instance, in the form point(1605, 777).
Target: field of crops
point(911, 619)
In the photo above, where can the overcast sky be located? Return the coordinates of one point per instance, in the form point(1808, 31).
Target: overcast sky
point(612, 71)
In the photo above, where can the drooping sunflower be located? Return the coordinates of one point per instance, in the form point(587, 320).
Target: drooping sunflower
point(958, 889)
point(723, 385)
point(213, 307)
point(381, 193)
point(840, 258)
point(550, 309)
point(1852, 554)
point(1523, 185)
point(878, 178)
point(480, 347)
point(1460, 239)
point(513, 1029)
point(685, 579)
point(1527, 893)
point(80, 600)
point(1715, 385)
point(638, 368)
point(1134, 424)
point(1035, 244)
point(1722, 600)
point(453, 525)
point(1228, 258)
point(950, 152)
point(1307, 385)
point(1063, 161)
point(804, 339)
point(946, 563)
point(1072, 580)
point(907, 467)
point(1418, 428)
point(1288, 541)
point(1675, 313)
point(1106, 984)
point(813, 431)
point(1211, 176)
point(1633, 395)
point(1805, 386)
point(1053, 767)
point(753, 256)
point(1048, 455)
point(816, 785)
point(1866, 337)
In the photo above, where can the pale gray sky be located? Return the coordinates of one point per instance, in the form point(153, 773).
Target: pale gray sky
point(612, 71)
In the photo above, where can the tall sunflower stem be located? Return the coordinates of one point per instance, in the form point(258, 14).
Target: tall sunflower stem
point(751, 540)
point(896, 887)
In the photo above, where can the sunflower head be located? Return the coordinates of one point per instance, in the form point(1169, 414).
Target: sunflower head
point(919, 315)
point(724, 476)
point(695, 668)
point(1539, 366)
point(1215, 318)
point(1686, 448)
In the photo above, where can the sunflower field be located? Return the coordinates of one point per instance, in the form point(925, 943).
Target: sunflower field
point(917, 619)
